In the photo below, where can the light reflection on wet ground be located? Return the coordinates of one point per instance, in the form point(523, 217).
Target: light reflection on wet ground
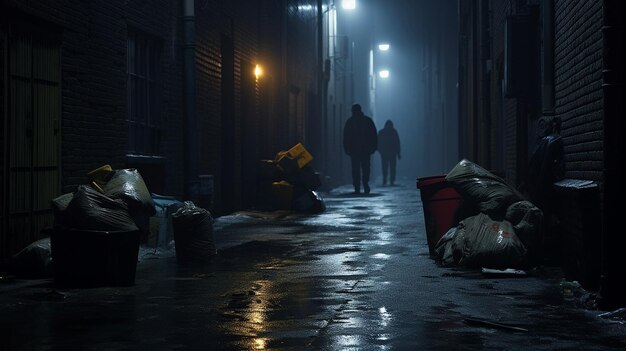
point(357, 277)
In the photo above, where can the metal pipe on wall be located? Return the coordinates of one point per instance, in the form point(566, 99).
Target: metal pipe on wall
point(321, 121)
point(548, 58)
point(192, 183)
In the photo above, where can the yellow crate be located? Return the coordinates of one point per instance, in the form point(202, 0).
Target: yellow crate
point(300, 154)
point(99, 176)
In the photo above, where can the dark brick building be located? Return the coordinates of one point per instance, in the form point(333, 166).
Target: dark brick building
point(523, 63)
point(86, 84)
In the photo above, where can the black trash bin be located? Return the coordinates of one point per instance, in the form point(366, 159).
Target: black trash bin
point(193, 234)
point(578, 243)
point(89, 258)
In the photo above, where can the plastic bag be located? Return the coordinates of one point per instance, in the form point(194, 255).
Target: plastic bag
point(309, 201)
point(59, 205)
point(128, 185)
point(446, 250)
point(526, 219)
point(488, 243)
point(490, 192)
point(193, 233)
point(33, 262)
point(479, 241)
point(91, 210)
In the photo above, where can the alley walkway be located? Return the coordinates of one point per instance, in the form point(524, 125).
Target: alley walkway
point(357, 277)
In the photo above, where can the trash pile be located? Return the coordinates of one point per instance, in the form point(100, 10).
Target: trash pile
point(97, 229)
point(116, 200)
point(288, 182)
point(504, 232)
point(112, 210)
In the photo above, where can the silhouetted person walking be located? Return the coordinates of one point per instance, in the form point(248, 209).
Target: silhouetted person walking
point(360, 142)
point(389, 149)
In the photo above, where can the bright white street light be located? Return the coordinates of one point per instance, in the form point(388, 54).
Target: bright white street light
point(348, 4)
point(383, 47)
point(383, 74)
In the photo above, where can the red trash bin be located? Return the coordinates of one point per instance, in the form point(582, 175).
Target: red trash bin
point(441, 203)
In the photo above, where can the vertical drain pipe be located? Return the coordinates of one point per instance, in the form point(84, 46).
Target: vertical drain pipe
point(613, 86)
point(548, 58)
point(192, 184)
point(320, 119)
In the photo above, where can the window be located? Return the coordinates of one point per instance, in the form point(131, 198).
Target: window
point(144, 116)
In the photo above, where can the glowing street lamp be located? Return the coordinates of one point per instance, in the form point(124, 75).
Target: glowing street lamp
point(348, 4)
point(383, 74)
point(383, 47)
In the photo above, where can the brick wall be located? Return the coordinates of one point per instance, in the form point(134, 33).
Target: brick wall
point(578, 85)
point(93, 68)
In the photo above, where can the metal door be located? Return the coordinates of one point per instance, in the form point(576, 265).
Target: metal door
point(32, 142)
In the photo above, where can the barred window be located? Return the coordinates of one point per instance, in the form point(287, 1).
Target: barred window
point(144, 116)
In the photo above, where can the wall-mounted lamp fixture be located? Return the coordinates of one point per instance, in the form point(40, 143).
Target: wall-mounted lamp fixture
point(258, 71)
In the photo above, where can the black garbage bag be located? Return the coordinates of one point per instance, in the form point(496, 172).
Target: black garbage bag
point(479, 241)
point(489, 192)
point(91, 210)
point(193, 234)
point(446, 252)
point(527, 219)
point(306, 177)
point(59, 205)
point(128, 185)
point(488, 243)
point(309, 201)
point(32, 262)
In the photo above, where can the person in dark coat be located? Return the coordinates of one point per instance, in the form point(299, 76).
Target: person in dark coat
point(360, 141)
point(389, 149)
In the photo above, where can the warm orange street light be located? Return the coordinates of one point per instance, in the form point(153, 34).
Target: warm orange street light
point(258, 71)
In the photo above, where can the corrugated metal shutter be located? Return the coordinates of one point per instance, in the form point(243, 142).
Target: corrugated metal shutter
point(33, 137)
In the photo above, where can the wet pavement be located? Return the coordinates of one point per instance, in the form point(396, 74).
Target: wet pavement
point(356, 277)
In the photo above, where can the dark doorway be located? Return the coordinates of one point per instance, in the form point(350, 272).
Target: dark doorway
point(31, 70)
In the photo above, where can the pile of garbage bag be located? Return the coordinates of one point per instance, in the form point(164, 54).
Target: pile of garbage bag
point(288, 182)
point(116, 200)
point(506, 231)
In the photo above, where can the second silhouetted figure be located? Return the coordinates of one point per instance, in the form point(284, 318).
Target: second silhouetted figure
point(389, 149)
point(360, 141)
